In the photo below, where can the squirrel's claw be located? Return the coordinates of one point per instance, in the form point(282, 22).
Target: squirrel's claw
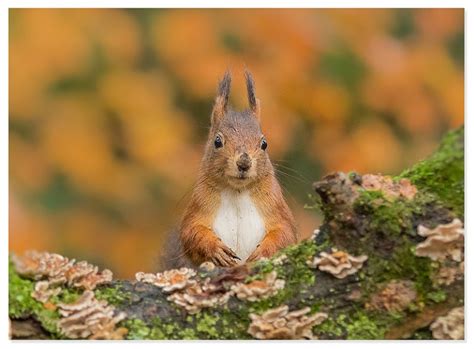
point(255, 255)
point(251, 258)
point(231, 253)
point(225, 257)
point(223, 260)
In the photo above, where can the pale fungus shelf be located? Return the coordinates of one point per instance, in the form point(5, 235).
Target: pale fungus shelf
point(280, 323)
point(43, 292)
point(169, 280)
point(388, 186)
point(199, 296)
point(90, 318)
point(449, 274)
point(395, 296)
point(338, 263)
point(444, 241)
point(53, 271)
point(259, 289)
point(59, 270)
point(450, 326)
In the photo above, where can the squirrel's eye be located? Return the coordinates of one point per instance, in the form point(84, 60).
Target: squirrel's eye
point(264, 144)
point(218, 142)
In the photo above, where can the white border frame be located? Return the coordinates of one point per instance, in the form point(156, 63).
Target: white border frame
point(4, 7)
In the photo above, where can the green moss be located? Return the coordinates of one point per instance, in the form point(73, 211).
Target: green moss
point(424, 333)
point(437, 296)
point(203, 325)
point(224, 324)
point(357, 326)
point(387, 216)
point(407, 265)
point(188, 333)
point(332, 328)
point(19, 296)
point(113, 295)
point(362, 327)
point(137, 329)
point(206, 325)
point(22, 305)
point(157, 329)
point(396, 316)
point(442, 174)
point(393, 222)
point(168, 330)
point(297, 271)
point(234, 323)
point(66, 296)
point(199, 326)
point(403, 265)
point(440, 183)
point(315, 204)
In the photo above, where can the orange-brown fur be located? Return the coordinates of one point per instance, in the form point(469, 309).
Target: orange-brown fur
point(240, 132)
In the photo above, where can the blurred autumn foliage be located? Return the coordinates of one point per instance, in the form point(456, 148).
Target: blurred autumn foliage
point(109, 110)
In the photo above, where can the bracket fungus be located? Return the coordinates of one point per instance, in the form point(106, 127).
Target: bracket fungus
point(444, 241)
point(446, 275)
point(198, 296)
point(38, 265)
point(279, 323)
point(450, 326)
point(42, 292)
point(395, 296)
point(388, 187)
point(338, 263)
point(344, 189)
point(87, 276)
point(51, 270)
point(90, 318)
point(259, 289)
point(59, 270)
point(194, 294)
point(169, 280)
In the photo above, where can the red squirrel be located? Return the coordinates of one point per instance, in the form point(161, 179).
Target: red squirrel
point(237, 212)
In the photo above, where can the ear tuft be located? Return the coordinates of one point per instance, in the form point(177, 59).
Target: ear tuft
point(254, 103)
point(222, 98)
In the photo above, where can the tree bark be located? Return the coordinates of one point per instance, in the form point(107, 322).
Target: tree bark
point(395, 294)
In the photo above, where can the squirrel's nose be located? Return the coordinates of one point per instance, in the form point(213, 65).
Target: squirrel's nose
point(244, 162)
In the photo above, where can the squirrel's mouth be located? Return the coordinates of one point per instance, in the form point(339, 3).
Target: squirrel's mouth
point(239, 180)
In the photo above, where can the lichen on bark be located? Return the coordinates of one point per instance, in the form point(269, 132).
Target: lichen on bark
point(359, 220)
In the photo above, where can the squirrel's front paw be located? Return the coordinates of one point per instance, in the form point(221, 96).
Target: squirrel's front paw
point(224, 256)
point(257, 254)
point(263, 250)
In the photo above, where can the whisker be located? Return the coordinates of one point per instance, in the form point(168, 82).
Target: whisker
point(290, 197)
point(292, 170)
point(289, 175)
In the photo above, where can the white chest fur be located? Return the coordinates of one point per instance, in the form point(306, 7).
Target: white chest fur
point(238, 223)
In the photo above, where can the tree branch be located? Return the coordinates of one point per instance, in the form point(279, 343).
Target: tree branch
point(393, 288)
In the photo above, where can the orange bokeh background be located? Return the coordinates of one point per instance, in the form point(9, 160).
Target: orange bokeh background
point(109, 111)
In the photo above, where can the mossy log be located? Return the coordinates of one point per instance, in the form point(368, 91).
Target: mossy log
point(395, 293)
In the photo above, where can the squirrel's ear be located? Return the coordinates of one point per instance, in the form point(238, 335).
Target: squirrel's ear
point(254, 102)
point(220, 104)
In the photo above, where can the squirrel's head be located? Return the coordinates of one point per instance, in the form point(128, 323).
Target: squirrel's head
point(236, 154)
